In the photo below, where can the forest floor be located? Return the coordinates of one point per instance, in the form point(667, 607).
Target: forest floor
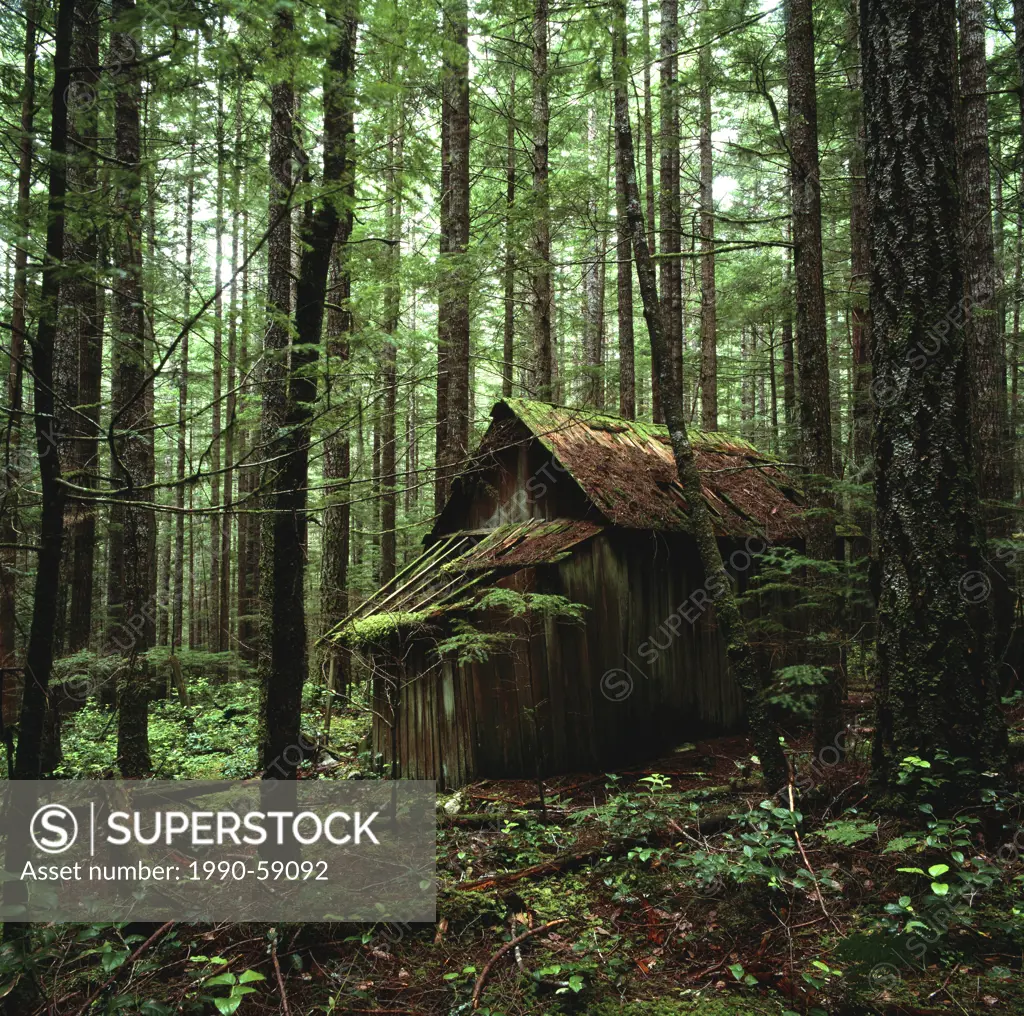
point(669, 888)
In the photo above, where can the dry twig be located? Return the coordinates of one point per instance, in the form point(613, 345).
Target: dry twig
point(486, 972)
point(280, 979)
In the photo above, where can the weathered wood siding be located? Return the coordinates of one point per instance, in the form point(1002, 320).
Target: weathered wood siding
point(521, 482)
point(644, 672)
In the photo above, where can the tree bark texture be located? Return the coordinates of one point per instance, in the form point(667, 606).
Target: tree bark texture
point(936, 681)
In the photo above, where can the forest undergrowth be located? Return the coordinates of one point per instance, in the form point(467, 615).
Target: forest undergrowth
point(668, 888)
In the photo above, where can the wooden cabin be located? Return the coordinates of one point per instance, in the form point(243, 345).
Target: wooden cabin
point(559, 619)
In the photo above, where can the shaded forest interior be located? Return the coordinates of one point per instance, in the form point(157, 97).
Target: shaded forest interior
point(268, 268)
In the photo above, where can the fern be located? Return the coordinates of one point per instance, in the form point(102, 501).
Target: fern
point(543, 604)
point(470, 645)
point(848, 832)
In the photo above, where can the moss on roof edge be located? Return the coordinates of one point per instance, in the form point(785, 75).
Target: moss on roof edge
point(545, 417)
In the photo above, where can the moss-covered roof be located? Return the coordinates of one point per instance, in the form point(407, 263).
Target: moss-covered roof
point(626, 468)
point(546, 419)
point(453, 573)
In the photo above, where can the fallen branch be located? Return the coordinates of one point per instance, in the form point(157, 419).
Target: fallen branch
point(280, 979)
point(563, 862)
point(486, 972)
point(800, 845)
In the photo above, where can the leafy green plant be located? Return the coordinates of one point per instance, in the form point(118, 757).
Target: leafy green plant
point(469, 644)
point(795, 688)
point(544, 605)
point(237, 985)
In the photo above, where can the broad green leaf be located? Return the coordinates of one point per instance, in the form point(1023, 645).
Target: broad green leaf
point(112, 960)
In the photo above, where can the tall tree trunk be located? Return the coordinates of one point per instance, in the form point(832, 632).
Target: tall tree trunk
point(708, 290)
point(248, 526)
point(289, 399)
point(860, 260)
point(730, 622)
point(412, 447)
point(543, 355)
point(452, 418)
point(444, 323)
point(746, 381)
point(12, 435)
point(984, 333)
point(648, 128)
point(280, 698)
point(936, 687)
point(231, 405)
point(216, 642)
point(509, 335)
point(647, 124)
point(389, 352)
point(457, 402)
point(593, 320)
point(23, 995)
point(789, 413)
point(148, 159)
point(78, 417)
point(815, 404)
point(624, 294)
point(375, 417)
point(1018, 42)
point(39, 658)
point(164, 569)
point(337, 449)
point(761, 411)
point(178, 593)
point(1014, 348)
point(130, 596)
point(811, 328)
point(670, 207)
point(999, 229)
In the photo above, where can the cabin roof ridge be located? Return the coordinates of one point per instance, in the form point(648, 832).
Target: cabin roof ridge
point(626, 469)
point(548, 417)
